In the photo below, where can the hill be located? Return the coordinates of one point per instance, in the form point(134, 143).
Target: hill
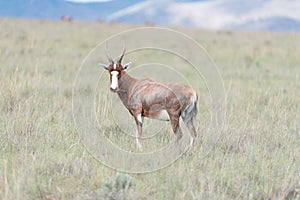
point(262, 15)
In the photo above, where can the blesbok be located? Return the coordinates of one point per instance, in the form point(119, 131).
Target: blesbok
point(147, 98)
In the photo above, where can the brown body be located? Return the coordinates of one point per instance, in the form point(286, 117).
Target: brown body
point(147, 98)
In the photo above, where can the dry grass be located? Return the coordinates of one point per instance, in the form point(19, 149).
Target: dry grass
point(41, 156)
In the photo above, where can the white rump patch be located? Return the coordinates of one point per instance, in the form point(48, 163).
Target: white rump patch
point(194, 98)
point(114, 80)
point(163, 116)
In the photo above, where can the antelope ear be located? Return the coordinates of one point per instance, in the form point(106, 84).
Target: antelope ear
point(103, 66)
point(127, 65)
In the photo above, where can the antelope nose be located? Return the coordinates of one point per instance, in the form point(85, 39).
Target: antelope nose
point(114, 89)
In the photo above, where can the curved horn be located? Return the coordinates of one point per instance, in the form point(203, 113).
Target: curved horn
point(122, 55)
point(107, 55)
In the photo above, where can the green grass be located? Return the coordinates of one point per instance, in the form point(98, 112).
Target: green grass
point(41, 156)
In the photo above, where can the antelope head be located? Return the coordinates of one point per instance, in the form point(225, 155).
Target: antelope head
point(115, 68)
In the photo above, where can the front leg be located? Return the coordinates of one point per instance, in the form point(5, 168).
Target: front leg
point(138, 135)
point(139, 123)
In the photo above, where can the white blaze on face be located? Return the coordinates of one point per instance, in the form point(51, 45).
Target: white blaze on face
point(114, 80)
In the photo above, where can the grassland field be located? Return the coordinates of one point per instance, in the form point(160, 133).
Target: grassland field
point(41, 156)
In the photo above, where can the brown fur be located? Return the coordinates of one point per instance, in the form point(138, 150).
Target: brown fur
point(147, 98)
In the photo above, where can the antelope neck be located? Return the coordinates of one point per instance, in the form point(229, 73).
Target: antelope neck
point(125, 83)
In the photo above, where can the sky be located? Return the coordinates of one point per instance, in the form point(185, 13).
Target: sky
point(88, 1)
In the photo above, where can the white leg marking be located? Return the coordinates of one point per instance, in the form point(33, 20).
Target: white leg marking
point(114, 80)
point(139, 146)
point(191, 141)
point(139, 118)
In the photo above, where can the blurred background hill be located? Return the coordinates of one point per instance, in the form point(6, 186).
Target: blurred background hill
point(257, 15)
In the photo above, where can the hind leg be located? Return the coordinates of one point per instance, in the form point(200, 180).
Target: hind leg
point(193, 134)
point(176, 127)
